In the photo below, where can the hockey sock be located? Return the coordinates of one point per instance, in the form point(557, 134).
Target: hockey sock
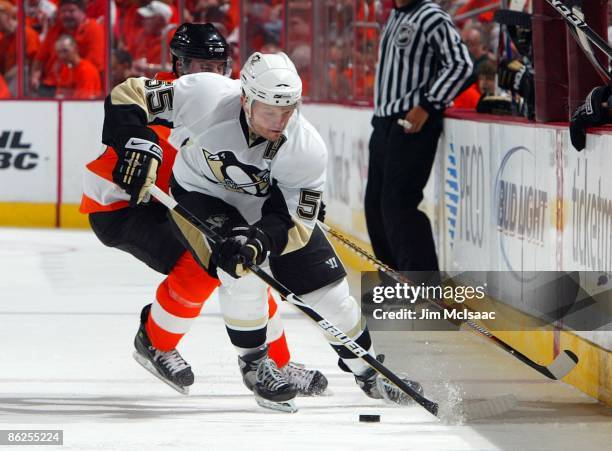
point(178, 302)
point(279, 352)
point(275, 335)
point(356, 365)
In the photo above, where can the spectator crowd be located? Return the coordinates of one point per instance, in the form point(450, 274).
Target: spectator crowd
point(81, 48)
point(65, 42)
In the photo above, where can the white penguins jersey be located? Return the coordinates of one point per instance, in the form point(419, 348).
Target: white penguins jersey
point(223, 161)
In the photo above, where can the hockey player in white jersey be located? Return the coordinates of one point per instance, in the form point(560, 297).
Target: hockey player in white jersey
point(143, 228)
point(255, 170)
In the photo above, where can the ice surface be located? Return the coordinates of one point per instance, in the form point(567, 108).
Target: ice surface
point(68, 313)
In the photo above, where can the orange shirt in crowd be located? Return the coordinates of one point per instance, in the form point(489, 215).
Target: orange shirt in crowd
point(366, 13)
point(42, 15)
point(96, 8)
point(8, 48)
point(79, 82)
point(234, 13)
point(130, 25)
point(131, 29)
point(4, 90)
point(149, 47)
point(90, 41)
point(175, 15)
point(475, 4)
point(468, 98)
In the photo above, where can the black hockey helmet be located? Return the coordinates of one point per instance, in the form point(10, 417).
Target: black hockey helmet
point(201, 41)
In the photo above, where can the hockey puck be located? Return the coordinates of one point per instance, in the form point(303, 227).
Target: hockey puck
point(369, 418)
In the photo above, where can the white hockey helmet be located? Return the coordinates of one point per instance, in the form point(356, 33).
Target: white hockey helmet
point(271, 79)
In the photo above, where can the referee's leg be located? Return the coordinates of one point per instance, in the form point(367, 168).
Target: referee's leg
point(373, 192)
point(406, 172)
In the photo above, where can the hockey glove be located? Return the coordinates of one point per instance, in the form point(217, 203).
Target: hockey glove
point(244, 245)
point(136, 168)
point(510, 75)
point(516, 77)
point(494, 105)
point(591, 112)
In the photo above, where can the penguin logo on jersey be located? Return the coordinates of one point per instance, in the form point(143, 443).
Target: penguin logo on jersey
point(217, 221)
point(237, 176)
point(404, 34)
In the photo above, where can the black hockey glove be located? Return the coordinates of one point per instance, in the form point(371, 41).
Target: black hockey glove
point(591, 112)
point(136, 168)
point(494, 105)
point(510, 75)
point(243, 245)
point(516, 77)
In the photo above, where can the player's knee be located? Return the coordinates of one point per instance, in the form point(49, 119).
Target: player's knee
point(334, 303)
point(246, 299)
point(190, 281)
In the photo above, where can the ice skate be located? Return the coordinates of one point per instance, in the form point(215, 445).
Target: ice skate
point(378, 387)
point(308, 382)
point(271, 388)
point(168, 366)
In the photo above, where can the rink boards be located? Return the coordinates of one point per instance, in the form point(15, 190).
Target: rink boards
point(503, 195)
point(43, 148)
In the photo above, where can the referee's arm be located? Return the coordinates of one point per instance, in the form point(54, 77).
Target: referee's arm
point(456, 67)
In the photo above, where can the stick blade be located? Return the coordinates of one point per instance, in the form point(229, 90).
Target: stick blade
point(565, 362)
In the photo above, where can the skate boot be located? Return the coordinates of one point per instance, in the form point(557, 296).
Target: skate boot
point(378, 387)
point(308, 382)
point(168, 366)
point(267, 382)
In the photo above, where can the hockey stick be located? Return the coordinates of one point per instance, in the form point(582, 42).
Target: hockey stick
point(583, 35)
point(556, 370)
point(584, 43)
point(325, 325)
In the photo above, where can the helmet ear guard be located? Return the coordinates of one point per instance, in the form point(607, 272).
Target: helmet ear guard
point(271, 79)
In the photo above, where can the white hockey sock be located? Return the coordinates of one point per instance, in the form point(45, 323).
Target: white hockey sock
point(359, 366)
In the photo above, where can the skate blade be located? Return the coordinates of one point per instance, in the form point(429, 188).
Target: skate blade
point(488, 408)
point(151, 369)
point(282, 406)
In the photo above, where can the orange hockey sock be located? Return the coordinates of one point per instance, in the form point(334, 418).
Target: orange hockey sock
point(180, 297)
point(277, 342)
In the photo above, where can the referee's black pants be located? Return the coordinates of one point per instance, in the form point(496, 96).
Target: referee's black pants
point(399, 166)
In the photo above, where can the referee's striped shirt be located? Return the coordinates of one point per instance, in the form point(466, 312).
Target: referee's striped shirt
point(422, 60)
